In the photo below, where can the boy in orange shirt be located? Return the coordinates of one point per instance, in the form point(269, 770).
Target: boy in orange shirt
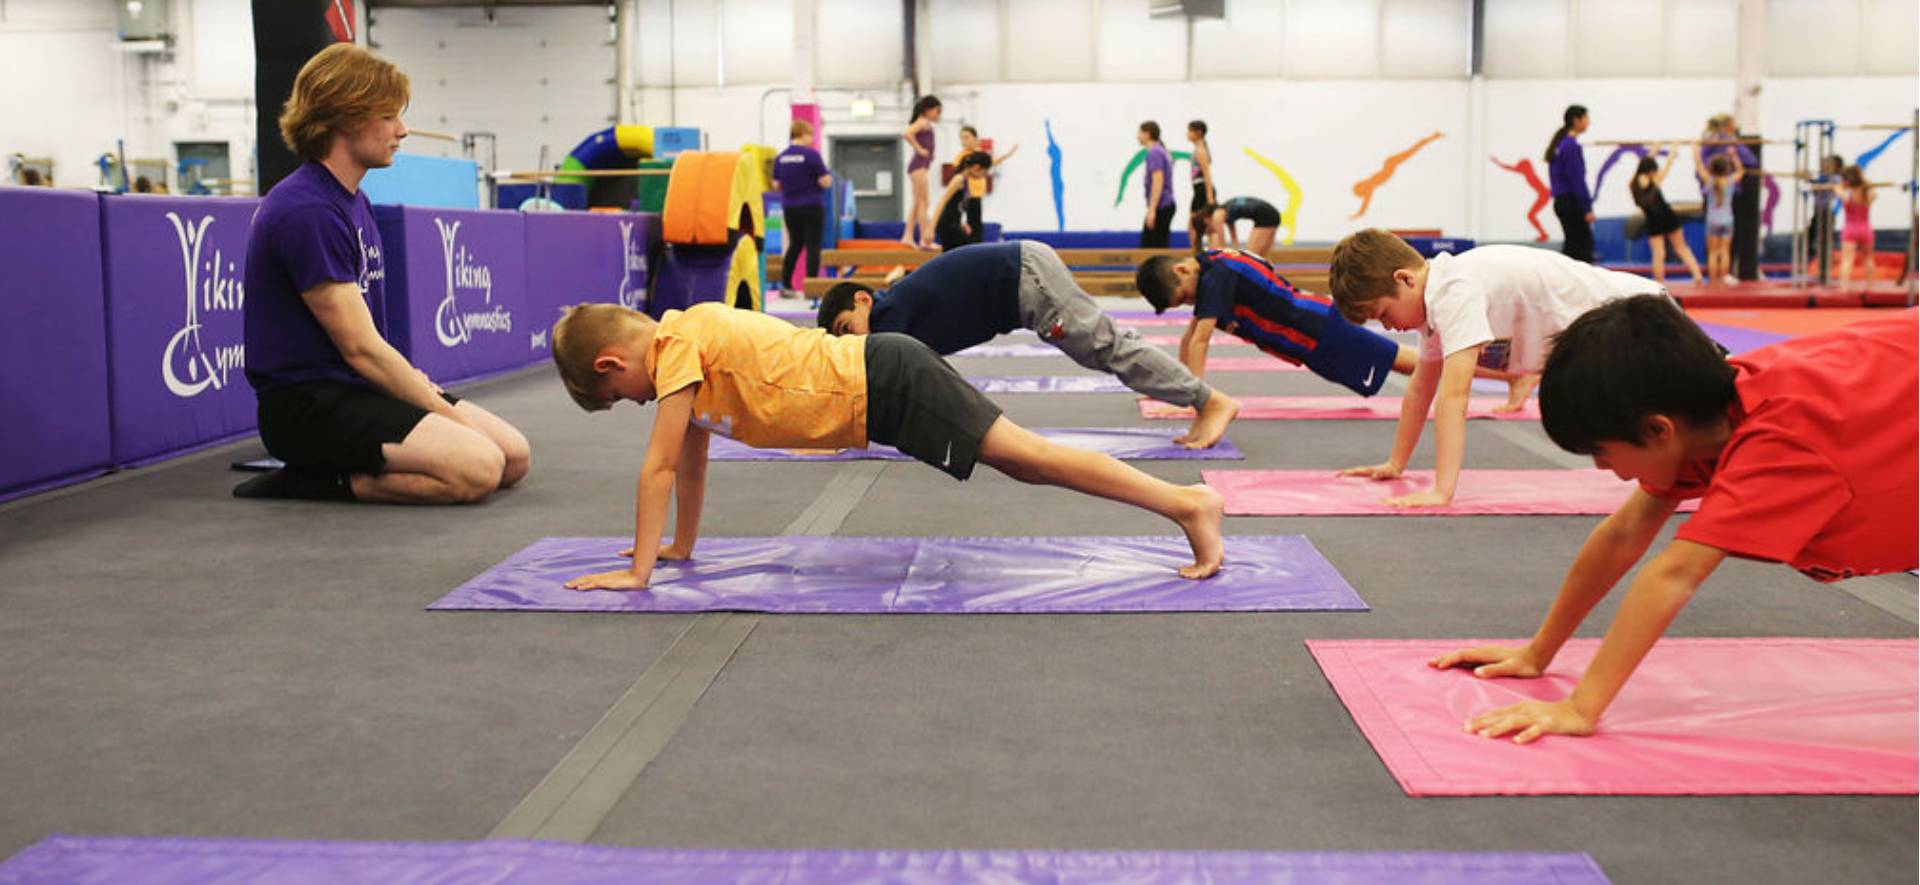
point(755, 378)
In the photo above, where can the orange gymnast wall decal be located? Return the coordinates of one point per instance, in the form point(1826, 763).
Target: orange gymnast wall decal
point(1365, 187)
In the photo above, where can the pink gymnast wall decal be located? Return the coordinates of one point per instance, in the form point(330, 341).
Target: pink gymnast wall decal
point(1541, 194)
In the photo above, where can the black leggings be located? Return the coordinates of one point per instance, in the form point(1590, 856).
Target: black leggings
point(1573, 224)
point(1161, 233)
point(804, 226)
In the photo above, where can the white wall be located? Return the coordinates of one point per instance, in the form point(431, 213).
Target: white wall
point(70, 96)
point(532, 76)
point(1326, 88)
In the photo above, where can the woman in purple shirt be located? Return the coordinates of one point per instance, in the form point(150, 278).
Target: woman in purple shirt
point(919, 137)
point(801, 178)
point(1156, 229)
point(352, 419)
point(1567, 170)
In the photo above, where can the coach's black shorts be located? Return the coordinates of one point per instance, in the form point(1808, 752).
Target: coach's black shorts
point(328, 425)
point(918, 404)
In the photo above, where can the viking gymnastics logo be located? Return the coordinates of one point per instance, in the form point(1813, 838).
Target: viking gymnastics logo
point(187, 365)
point(465, 273)
point(635, 261)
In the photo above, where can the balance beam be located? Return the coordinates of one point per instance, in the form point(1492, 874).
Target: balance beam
point(1091, 282)
point(1317, 255)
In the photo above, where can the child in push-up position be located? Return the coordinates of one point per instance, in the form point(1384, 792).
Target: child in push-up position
point(1241, 293)
point(1801, 453)
point(971, 294)
point(1494, 307)
point(755, 378)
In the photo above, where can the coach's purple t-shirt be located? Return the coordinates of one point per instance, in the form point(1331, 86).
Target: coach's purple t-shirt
point(1159, 159)
point(798, 169)
point(307, 231)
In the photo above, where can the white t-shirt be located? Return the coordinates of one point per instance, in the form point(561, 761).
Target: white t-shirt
point(1514, 299)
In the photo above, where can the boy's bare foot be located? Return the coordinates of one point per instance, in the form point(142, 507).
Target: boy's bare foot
point(1509, 407)
point(1202, 525)
point(1211, 423)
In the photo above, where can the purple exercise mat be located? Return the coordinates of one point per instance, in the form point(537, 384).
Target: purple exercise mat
point(1047, 384)
point(982, 575)
point(1740, 340)
point(1125, 443)
point(182, 861)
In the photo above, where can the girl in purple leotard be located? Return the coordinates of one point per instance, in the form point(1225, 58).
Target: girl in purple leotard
point(919, 138)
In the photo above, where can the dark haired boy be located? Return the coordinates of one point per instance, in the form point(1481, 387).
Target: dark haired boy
point(969, 295)
point(1242, 294)
point(1801, 453)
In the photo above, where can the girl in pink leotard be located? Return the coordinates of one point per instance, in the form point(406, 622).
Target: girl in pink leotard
point(1856, 234)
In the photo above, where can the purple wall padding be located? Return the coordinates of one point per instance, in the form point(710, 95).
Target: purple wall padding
point(179, 861)
point(980, 575)
point(175, 343)
point(595, 257)
point(689, 275)
point(54, 342)
point(1124, 443)
point(458, 306)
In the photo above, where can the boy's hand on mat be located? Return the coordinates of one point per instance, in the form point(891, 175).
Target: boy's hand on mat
point(1528, 720)
point(622, 579)
point(1374, 471)
point(1490, 661)
point(1428, 498)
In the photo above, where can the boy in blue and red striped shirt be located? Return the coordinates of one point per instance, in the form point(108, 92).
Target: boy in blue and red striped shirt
point(1241, 293)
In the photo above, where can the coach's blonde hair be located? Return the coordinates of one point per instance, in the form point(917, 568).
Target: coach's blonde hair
point(335, 91)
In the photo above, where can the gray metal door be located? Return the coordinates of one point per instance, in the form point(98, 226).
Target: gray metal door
point(872, 163)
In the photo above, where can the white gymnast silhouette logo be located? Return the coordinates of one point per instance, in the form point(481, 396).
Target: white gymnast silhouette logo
point(464, 273)
point(187, 366)
point(634, 262)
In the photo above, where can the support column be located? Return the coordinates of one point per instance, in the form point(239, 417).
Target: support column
point(623, 104)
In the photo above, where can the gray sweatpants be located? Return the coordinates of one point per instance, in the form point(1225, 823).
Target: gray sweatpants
point(1065, 317)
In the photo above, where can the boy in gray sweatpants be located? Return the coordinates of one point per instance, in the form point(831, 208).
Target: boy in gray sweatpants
point(969, 295)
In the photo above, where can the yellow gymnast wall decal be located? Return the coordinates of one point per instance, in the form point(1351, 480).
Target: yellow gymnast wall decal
point(1364, 187)
point(1291, 217)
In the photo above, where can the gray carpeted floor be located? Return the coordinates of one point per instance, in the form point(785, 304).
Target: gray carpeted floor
point(179, 662)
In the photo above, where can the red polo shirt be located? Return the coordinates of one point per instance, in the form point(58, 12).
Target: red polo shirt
point(1820, 472)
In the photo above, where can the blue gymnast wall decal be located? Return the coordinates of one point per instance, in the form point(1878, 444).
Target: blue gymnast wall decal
point(1059, 183)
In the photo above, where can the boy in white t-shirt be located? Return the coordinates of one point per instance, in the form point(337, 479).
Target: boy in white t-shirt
point(1494, 308)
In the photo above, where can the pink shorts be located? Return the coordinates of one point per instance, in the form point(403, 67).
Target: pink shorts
point(1861, 235)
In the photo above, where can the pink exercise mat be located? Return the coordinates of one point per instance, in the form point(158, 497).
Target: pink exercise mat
point(1701, 717)
point(1335, 408)
point(1479, 493)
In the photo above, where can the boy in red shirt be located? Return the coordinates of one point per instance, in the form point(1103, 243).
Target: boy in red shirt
point(1801, 453)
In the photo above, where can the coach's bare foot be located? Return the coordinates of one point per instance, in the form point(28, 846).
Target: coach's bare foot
point(1211, 423)
point(1202, 525)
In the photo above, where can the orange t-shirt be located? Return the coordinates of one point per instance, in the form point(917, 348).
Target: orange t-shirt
point(763, 381)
